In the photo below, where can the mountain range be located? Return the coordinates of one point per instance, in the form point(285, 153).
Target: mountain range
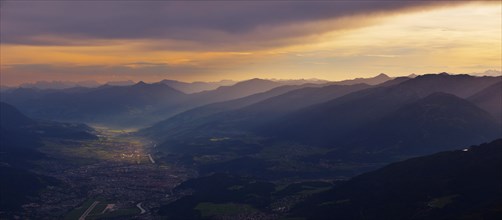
point(369, 125)
point(396, 148)
point(136, 105)
point(21, 135)
point(341, 117)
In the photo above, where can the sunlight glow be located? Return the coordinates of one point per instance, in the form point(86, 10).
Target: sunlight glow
point(460, 39)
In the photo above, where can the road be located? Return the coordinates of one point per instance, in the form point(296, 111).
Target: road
point(140, 208)
point(151, 158)
point(89, 210)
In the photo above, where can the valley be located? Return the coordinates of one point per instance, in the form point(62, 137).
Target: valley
point(113, 176)
point(294, 151)
point(251, 110)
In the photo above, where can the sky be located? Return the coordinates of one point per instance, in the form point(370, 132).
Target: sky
point(238, 40)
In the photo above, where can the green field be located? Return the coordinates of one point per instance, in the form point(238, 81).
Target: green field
point(90, 151)
point(208, 209)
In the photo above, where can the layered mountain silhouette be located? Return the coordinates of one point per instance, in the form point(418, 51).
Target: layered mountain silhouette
point(121, 104)
point(490, 99)
point(437, 122)
point(330, 122)
point(195, 87)
point(59, 84)
point(400, 118)
point(291, 130)
point(239, 90)
point(248, 111)
point(380, 78)
point(197, 115)
point(104, 104)
point(135, 105)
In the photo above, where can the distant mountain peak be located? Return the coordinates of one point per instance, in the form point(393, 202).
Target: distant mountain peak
point(380, 78)
point(256, 80)
point(492, 73)
point(169, 81)
point(382, 75)
point(141, 84)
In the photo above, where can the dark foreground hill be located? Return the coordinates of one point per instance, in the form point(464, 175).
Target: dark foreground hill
point(18, 185)
point(20, 137)
point(462, 184)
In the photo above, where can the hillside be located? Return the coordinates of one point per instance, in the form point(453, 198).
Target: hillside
point(244, 113)
point(490, 99)
point(336, 130)
point(135, 105)
point(21, 136)
point(198, 114)
point(462, 184)
point(116, 105)
point(238, 90)
point(20, 139)
point(435, 123)
point(330, 122)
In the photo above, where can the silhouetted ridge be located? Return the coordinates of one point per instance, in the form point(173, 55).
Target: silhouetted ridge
point(330, 122)
point(251, 115)
point(118, 105)
point(11, 118)
point(490, 99)
point(140, 83)
point(437, 122)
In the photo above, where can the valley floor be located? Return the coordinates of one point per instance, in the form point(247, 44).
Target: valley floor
point(114, 176)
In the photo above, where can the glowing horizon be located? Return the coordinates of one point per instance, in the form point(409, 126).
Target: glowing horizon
point(457, 38)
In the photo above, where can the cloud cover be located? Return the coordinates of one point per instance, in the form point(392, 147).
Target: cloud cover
point(192, 25)
point(213, 40)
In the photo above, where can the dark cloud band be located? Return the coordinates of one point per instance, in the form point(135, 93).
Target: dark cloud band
point(196, 22)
